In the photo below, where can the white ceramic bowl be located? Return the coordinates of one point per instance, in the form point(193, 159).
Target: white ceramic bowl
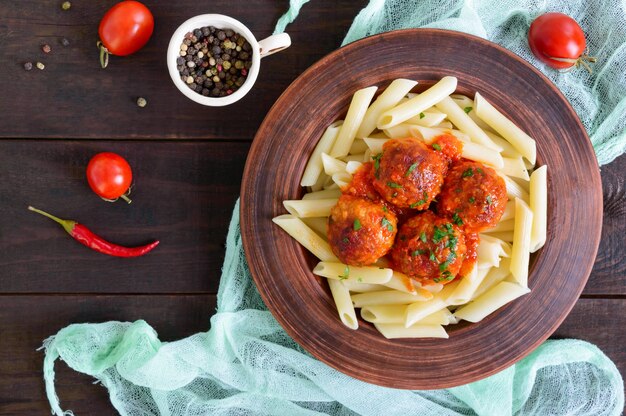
point(260, 49)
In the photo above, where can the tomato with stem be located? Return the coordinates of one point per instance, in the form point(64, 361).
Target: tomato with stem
point(557, 40)
point(109, 175)
point(124, 29)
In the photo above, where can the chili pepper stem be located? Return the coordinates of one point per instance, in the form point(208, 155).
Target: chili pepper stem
point(67, 225)
point(104, 55)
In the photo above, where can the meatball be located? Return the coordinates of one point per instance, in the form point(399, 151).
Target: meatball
point(429, 248)
point(408, 173)
point(473, 195)
point(361, 183)
point(360, 231)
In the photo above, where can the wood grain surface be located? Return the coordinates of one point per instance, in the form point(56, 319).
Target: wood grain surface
point(558, 273)
point(47, 281)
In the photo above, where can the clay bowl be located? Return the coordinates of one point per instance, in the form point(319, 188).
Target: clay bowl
point(281, 268)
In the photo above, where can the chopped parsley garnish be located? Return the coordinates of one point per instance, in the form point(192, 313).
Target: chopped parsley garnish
point(479, 170)
point(420, 202)
point(411, 169)
point(394, 185)
point(423, 237)
point(468, 109)
point(468, 173)
point(418, 253)
point(346, 240)
point(472, 200)
point(357, 225)
point(458, 190)
point(346, 273)
point(443, 266)
point(376, 159)
point(385, 209)
point(436, 146)
point(457, 220)
point(386, 223)
point(422, 115)
point(432, 257)
point(489, 200)
point(452, 241)
point(445, 276)
point(439, 234)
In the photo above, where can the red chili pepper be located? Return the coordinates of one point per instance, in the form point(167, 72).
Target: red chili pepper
point(86, 237)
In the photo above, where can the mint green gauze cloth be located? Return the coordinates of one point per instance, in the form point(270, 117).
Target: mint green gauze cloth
point(247, 365)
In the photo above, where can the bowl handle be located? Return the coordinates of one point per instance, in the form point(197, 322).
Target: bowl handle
point(273, 44)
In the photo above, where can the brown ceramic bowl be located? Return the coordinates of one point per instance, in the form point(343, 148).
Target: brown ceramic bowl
point(302, 303)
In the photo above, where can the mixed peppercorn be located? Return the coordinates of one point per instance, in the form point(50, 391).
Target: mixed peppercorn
point(214, 62)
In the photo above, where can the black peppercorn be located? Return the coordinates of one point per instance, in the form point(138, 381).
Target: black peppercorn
point(65, 42)
point(216, 50)
point(28, 66)
point(221, 35)
point(197, 33)
point(180, 60)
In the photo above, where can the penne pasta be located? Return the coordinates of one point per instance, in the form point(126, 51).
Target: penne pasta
point(429, 134)
point(539, 207)
point(514, 190)
point(389, 98)
point(507, 148)
point(357, 287)
point(353, 166)
point(524, 144)
point(306, 208)
point(305, 236)
point(494, 276)
point(467, 104)
point(340, 271)
point(399, 132)
point(520, 253)
point(384, 314)
point(356, 112)
point(445, 125)
point(332, 165)
point(509, 211)
point(386, 297)
point(325, 194)
point(319, 183)
point(464, 123)
point(418, 104)
point(507, 225)
point(489, 252)
point(464, 292)
point(502, 235)
point(480, 153)
point(515, 167)
point(341, 296)
point(402, 283)
point(375, 145)
point(490, 301)
point(393, 331)
point(353, 158)
point(342, 179)
point(419, 310)
point(427, 119)
point(314, 165)
point(317, 224)
point(358, 146)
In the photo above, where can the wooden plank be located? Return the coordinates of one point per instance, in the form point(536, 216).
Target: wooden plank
point(25, 321)
point(74, 98)
point(174, 317)
point(184, 195)
point(609, 272)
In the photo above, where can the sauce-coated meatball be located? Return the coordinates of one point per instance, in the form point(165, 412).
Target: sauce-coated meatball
point(408, 173)
point(473, 195)
point(429, 248)
point(360, 231)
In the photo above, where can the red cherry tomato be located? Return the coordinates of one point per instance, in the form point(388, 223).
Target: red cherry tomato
point(109, 175)
point(557, 40)
point(124, 29)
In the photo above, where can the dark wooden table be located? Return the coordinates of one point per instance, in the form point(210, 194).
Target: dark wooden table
point(187, 161)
